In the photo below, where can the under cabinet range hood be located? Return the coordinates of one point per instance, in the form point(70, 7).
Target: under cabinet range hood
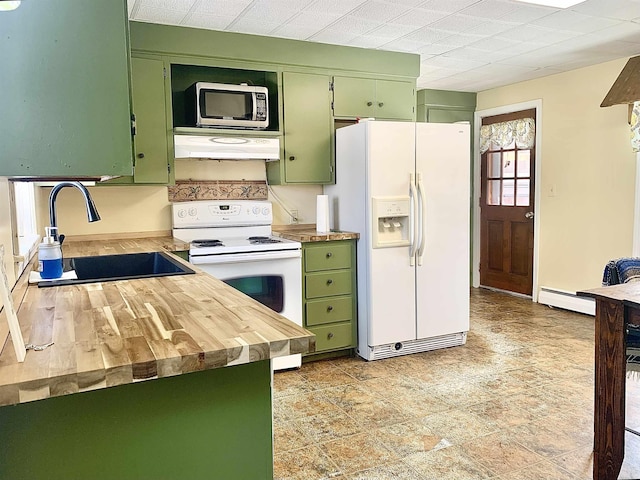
point(226, 148)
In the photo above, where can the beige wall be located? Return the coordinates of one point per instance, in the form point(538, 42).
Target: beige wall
point(588, 163)
point(135, 209)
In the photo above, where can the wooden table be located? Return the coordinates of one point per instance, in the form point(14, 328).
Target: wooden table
point(615, 306)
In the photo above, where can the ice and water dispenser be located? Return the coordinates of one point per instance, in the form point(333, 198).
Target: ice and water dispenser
point(390, 222)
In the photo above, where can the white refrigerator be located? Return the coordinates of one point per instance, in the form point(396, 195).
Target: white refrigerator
point(405, 187)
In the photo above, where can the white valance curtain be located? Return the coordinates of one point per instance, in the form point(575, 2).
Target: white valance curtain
point(503, 134)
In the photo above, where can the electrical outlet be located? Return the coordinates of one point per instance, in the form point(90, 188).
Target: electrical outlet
point(294, 217)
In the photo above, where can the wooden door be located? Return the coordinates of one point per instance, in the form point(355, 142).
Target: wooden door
point(506, 213)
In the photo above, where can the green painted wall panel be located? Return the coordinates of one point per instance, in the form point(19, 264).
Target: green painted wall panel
point(172, 40)
point(65, 89)
point(212, 424)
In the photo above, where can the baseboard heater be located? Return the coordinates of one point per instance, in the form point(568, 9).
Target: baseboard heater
point(568, 300)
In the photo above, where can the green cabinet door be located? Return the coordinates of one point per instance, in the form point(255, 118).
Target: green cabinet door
point(353, 97)
point(395, 100)
point(365, 97)
point(65, 89)
point(151, 163)
point(307, 128)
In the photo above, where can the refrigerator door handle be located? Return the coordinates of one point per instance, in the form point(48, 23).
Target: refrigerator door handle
point(412, 219)
point(422, 217)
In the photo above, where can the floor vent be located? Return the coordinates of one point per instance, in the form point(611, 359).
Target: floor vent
point(567, 300)
point(415, 346)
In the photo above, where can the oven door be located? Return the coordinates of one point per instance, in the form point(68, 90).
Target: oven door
point(272, 278)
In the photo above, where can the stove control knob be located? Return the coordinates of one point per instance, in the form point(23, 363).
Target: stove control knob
point(256, 210)
point(193, 212)
point(265, 211)
point(182, 213)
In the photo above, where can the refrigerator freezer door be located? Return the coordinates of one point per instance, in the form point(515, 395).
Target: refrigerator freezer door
point(390, 160)
point(443, 157)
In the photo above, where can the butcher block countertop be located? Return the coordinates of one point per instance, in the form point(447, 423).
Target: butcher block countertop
point(307, 233)
point(114, 333)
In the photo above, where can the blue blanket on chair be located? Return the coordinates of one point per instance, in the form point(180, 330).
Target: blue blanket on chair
point(622, 270)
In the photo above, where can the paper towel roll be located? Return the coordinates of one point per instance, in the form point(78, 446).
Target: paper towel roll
point(322, 214)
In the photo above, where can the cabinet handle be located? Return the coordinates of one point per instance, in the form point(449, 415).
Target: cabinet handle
point(329, 282)
point(329, 308)
point(380, 104)
point(141, 155)
point(369, 104)
point(329, 254)
point(330, 336)
point(292, 158)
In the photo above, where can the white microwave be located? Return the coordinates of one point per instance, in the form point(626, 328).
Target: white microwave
point(225, 105)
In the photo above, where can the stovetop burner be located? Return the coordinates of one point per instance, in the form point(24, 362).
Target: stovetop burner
point(260, 240)
point(207, 243)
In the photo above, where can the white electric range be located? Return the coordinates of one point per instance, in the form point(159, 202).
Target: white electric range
point(231, 240)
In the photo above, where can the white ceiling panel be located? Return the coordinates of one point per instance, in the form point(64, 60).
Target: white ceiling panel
point(160, 15)
point(379, 11)
point(463, 44)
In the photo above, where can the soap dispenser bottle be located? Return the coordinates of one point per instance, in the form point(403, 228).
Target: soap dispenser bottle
point(50, 256)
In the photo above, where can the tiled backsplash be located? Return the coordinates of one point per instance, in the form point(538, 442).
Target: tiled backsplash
point(184, 191)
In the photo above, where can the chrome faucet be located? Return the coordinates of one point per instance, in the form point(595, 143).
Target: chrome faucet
point(92, 212)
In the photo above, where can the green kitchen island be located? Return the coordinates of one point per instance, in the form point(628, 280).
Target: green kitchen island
point(157, 378)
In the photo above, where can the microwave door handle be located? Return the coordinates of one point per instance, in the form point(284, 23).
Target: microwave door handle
point(255, 105)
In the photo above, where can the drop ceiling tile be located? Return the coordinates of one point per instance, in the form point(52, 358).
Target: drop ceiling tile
point(448, 6)
point(130, 6)
point(428, 35)
point(334, 37)
point(207, 21)
point(297, 32)
point(526, 13)
point(403, 45)
point(379, 11)
point(453, 63)
point(575, 21)
point(493, 43)
point(618, 9)
point(253, 26)
point(458, 23)
point(619, 32)
point(470, 53)
point(393, 30)
point(222, 7)
point(179, 5)
point(434, 49)
point(409, 3)
point(352, 26)
point(460, 40)
point(319, 20)
point(340, 7)
point(491, 9)
point(268, 12)
point(159, 15)
point(533, 33)
point(368, 41)
point(419, 17)
point(490, 28)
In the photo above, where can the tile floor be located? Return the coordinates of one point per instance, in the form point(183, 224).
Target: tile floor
point(516, 403)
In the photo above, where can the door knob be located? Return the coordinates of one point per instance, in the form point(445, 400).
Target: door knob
point(528, 215)
point(329, 282)
point(369, 104)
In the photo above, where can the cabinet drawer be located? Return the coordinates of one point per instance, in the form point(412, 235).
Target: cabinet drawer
point(326, 284)
point(329, 310)
point(329, 256)
point(332, 337)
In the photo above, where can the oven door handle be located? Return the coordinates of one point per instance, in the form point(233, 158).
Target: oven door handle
point(243, 257)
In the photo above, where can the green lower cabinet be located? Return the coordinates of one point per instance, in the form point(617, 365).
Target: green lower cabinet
point(213, 424)
point(330, 299)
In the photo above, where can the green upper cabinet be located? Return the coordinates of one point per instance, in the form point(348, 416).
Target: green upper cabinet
point(365, 97)
point(442, 106)
point(65, 89)
point(307, 128)
point(152, 156)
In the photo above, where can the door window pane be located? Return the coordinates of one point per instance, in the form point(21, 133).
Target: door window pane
point(524, 163)
point(522, 199)
point(493, 192)
point(508, 187)
point(508, 164)
point(493, 165)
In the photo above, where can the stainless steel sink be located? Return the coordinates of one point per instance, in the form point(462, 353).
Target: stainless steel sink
point(106, 268)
